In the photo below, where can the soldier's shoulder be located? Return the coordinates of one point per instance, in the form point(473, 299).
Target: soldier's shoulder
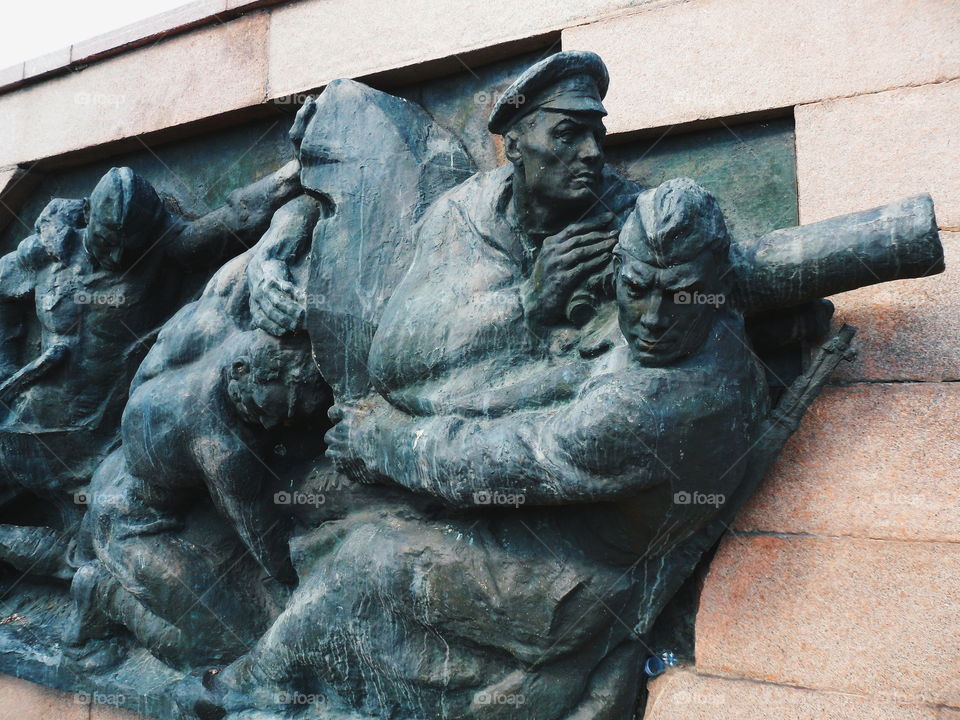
point(480, 186)
point(31, 254)
point(477, 195)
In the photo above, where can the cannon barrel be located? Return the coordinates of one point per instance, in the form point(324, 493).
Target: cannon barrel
point(794, 265)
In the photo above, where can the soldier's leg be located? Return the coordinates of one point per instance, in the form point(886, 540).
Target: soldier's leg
point(394, 606)
point(40, 551)
point(103, 608)
point(203, 589)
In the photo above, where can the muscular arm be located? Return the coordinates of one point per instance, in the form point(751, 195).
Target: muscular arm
point(238, 224)
point(276, 304)
point(17, 282)
point(598, 448)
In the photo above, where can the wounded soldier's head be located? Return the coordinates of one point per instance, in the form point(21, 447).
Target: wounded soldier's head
point(274, 381)
point(671, 271)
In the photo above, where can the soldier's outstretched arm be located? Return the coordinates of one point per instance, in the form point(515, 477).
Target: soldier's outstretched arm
point(237, 225)
point(17, 282)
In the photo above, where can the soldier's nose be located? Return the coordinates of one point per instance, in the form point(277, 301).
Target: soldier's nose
point(653, 323)
point(291, 404)
point(590, 150)
point(653, 318)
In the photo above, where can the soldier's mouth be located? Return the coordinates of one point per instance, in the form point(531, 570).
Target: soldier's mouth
point(651, 345)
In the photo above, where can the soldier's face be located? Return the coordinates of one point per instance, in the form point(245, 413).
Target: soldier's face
point(105, 245)
point(666, 313)
point(562, 156)
point(287, 390)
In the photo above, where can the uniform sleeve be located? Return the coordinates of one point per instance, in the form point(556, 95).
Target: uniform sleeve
point(600, 447)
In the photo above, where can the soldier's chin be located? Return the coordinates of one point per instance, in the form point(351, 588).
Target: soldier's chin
point(659, 356)
point(581, 192)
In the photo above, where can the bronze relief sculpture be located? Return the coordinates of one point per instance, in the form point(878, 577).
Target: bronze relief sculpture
point(441, 443)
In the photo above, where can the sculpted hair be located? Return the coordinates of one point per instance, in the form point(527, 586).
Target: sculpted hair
point(673, 224)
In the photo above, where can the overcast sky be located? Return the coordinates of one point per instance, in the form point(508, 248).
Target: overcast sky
point(35, 27)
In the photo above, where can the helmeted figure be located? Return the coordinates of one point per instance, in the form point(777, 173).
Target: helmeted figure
point(538, 402)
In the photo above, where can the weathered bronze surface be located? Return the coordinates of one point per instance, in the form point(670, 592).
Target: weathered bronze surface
point(432, 442)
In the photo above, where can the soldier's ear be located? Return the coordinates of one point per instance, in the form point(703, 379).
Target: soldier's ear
point(238, 369)
point(511, 147)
